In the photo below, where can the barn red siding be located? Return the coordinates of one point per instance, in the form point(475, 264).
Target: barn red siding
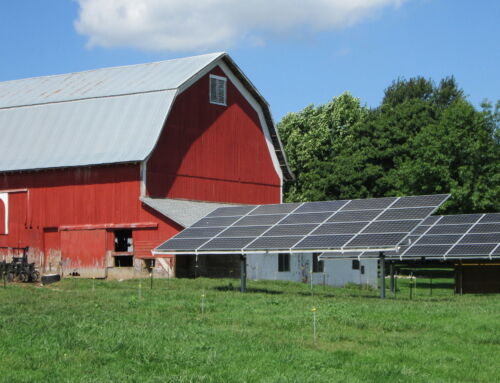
point(206, 152)
point(91, 196)
point(212, 152)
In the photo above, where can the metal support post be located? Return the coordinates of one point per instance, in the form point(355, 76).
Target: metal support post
point(391, 272)
point(382, 274)
point(243, 265)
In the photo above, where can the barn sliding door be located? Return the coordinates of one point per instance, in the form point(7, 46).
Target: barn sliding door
point(84, 252)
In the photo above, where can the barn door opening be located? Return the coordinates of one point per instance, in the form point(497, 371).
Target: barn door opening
point(124, 248)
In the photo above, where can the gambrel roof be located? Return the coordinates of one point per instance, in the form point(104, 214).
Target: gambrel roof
point(103, 116)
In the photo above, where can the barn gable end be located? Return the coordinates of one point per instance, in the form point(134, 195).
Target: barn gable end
point(214, 152)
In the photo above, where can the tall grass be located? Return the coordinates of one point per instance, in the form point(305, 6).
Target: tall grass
point(70, 332)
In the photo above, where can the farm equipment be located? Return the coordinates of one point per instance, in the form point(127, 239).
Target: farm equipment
point(19, 269)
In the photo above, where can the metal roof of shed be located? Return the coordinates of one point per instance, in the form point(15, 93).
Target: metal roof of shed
point(102, 116)
point(184, 212)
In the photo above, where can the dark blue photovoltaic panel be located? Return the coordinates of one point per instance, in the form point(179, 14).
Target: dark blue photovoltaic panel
point(485, 228)
point(391, 227)
point(366, 204)
point(448, 239)
point(182, 244)
point(422, 200)
point(275, 209)
point(216, 222)
point(427, 250)
point(260, 220)
point(457, 236)
point(355, 216)
point(481, 238)
point(340, 228)
point(429, 221)
point(419, 230)
point(305, 218)
point(231, 211)
point(459, 219)
point(491, 218)
point(203, 232)
point(316, 242)
point(244, 231)
point(319, 207)
point(410, 213)
point(449, 229)
point(271, 243)
point(371, 223)
point(277, 231)
point(375, 240)
point(471, 250)
point(224, 244)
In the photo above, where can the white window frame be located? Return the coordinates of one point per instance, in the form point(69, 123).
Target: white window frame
point(4, 197)
point(224, 79)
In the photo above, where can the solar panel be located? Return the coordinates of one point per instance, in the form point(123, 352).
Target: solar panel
point(244, 231)
point(456, 236)
point(463, 236)
point(232, 211)
point(222, 244)
point(328, 225)
point(273, 243)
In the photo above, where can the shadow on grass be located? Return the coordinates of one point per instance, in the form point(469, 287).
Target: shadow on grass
point(249, 290)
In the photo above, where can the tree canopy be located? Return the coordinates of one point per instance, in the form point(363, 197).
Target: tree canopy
point(424, 138)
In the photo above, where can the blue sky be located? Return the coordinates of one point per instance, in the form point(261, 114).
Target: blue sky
point(296, 56)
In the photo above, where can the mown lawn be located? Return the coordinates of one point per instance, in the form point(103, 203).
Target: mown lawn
point(112, 332)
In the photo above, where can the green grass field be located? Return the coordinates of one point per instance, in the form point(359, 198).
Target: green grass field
point(72, 332)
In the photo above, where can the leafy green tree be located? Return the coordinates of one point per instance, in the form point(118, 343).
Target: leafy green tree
point(313, 138)
point(423, 139)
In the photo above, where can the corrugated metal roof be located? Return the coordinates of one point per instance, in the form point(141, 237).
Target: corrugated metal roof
point(104, 82)
point(184, 212)
point(84, 132)
point(101, 116)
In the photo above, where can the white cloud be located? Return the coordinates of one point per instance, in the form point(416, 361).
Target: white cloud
point(200, 25)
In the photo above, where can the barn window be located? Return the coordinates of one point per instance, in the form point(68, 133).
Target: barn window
point(283, 262)
point(3, 214)
point(318, 266)
point(218, 87)
point(355, 264)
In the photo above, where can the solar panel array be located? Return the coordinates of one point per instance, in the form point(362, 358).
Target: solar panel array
point(377, 223)
point(450, 237)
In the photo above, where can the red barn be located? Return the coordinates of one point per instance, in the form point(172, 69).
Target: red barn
point(99, 167)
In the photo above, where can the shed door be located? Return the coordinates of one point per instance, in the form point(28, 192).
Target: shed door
point(84, 252)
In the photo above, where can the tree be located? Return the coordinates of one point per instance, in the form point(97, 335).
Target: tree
point(312, 138)
point(423, 139)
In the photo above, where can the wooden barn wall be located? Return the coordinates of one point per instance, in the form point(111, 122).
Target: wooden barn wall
point(212, 152)
point(107, 195)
